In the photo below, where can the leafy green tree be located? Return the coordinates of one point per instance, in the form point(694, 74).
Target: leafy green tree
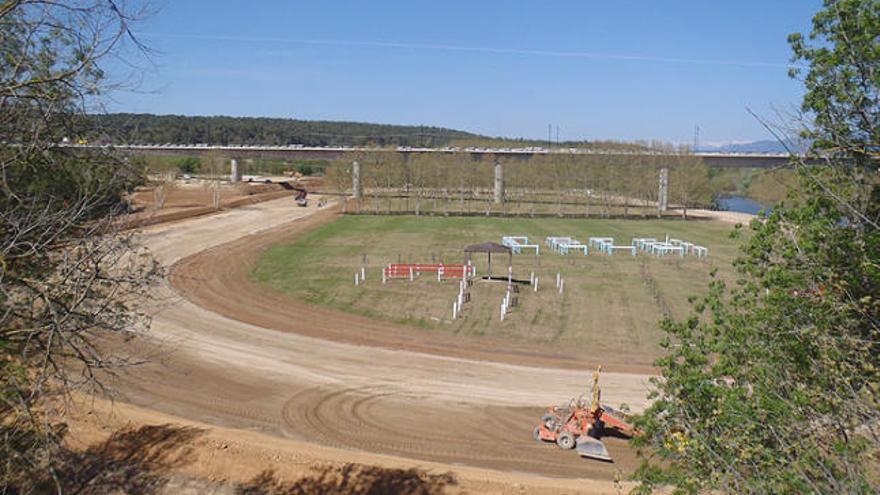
point(773, 385)
point(189, 164)
point(842, 81)
point(689, 184)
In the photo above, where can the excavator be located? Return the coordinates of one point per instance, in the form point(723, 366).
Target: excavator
point(580, 426)
point(301, 197)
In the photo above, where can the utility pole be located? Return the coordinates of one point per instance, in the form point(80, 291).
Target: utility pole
point(549, 136)
point(696, 138)
point(557, 135)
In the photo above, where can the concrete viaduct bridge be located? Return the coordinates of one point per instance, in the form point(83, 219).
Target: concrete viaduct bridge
point(742, 160)
point(236, 153)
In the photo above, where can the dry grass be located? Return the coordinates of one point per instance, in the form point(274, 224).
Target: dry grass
point(612, 302)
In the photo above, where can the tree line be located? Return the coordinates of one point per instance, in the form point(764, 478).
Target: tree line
point(128, 128)
point(131, 128)
point(599, 185)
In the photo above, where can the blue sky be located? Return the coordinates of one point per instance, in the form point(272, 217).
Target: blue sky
point(598, 69)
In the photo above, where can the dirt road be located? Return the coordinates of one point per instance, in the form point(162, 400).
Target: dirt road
point(391, 391)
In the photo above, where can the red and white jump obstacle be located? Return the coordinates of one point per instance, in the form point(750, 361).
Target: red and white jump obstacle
point(441, 270)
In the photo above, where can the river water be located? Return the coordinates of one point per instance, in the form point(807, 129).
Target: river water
point(739, 204)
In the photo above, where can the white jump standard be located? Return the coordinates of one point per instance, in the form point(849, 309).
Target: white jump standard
point(574, 245)
point(554, 242)
point(610, 248)
point(519, 242)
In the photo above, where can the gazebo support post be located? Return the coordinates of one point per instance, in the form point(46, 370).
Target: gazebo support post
point(490, 266)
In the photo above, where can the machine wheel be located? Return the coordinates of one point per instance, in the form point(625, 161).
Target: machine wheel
point(565, 440)
point(537, 434)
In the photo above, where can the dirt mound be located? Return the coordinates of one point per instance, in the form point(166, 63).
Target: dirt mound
point(193, 200)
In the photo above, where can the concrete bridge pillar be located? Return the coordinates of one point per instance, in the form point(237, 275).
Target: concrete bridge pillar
point(235, 173)
point(356, 185)
point(499, 183)
point(663, 197)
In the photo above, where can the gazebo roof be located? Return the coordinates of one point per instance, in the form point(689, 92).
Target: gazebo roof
point(487, 247)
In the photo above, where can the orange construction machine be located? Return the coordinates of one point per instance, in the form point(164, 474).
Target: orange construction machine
point(580, 426)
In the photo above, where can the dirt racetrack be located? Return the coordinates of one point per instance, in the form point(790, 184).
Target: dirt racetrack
point(235, 355)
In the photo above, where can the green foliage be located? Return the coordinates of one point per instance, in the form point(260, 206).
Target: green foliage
point(689, 183)
point(189, 164)
point(842, 83)
point(769, 187)
point(310, 167)
point(773, 385)
point(178, 129)
point(770, 386)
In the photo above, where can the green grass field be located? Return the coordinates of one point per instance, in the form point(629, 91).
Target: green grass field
point(618, 299)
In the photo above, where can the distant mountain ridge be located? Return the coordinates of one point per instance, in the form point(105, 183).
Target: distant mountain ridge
point(762, 146)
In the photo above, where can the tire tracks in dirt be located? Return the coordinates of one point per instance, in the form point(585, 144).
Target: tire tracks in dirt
point(423, 432)
point(249, 358)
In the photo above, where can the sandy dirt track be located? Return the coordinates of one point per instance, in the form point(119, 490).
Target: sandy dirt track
point(214, 459)
point(404, 395)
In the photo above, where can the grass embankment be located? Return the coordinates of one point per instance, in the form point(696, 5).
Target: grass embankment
point(614, 302)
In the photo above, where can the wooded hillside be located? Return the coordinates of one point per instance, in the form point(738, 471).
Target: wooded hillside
point(130, 128)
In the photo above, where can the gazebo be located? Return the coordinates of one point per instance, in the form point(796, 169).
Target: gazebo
point(489, 248)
